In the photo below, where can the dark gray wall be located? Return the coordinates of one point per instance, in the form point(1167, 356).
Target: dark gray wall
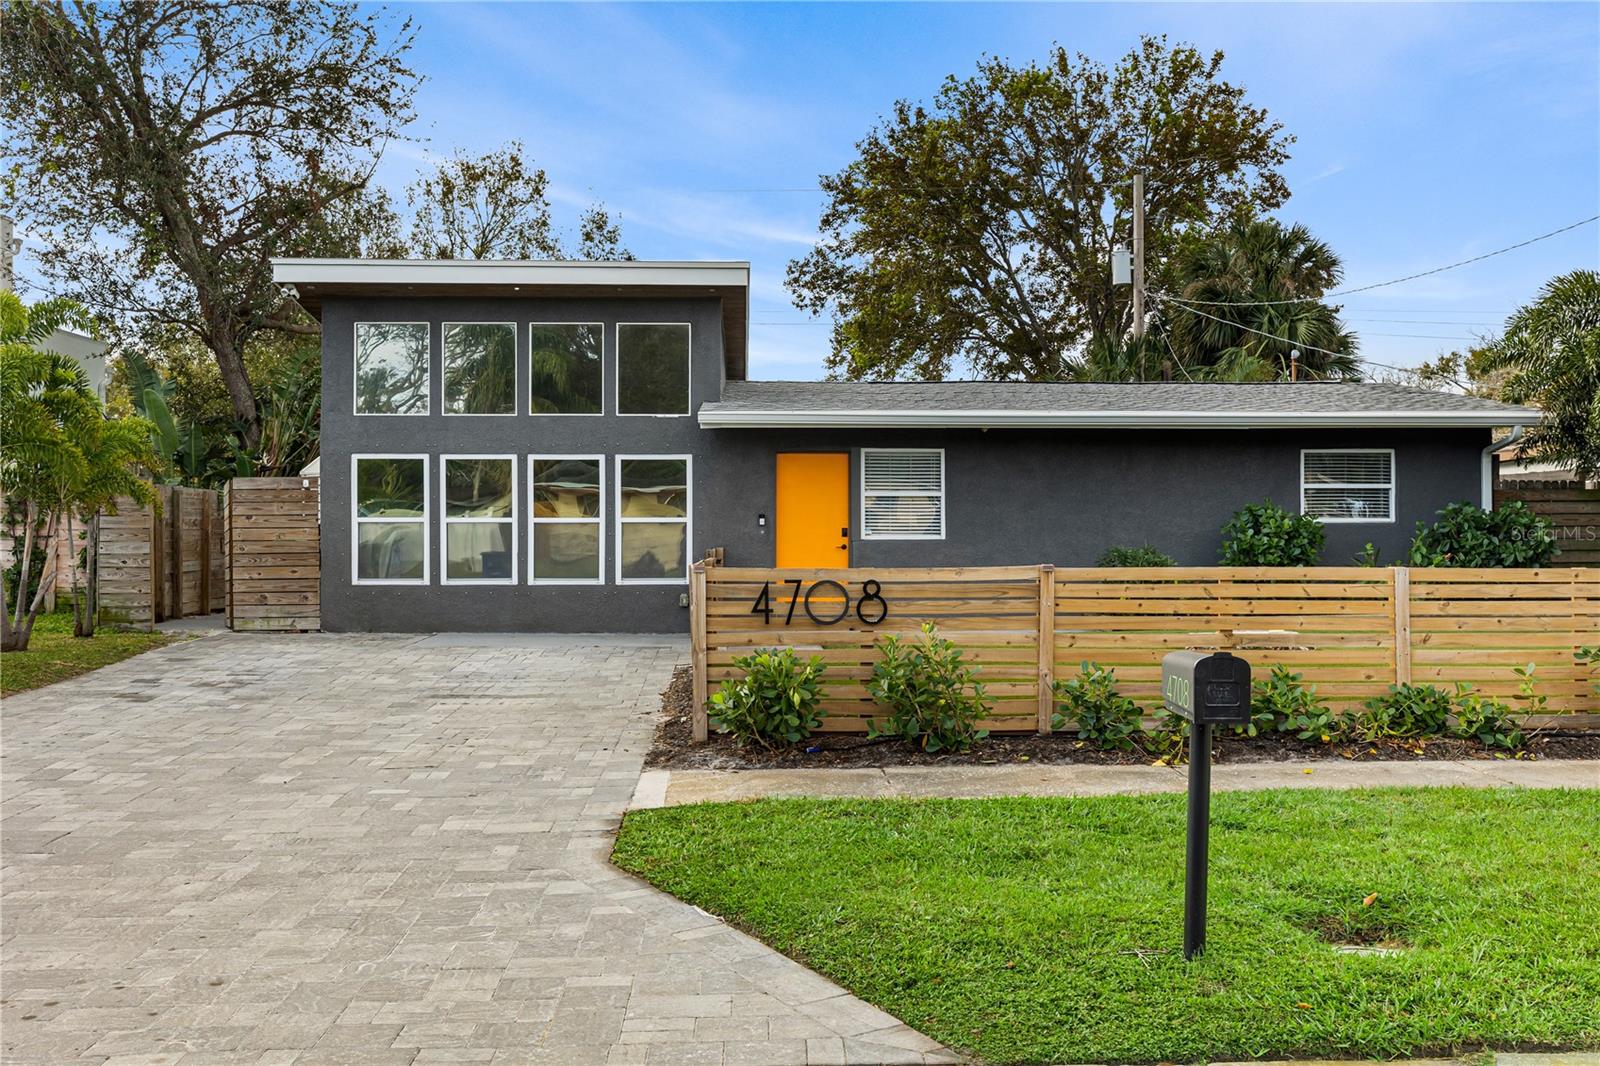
point(1013, 496)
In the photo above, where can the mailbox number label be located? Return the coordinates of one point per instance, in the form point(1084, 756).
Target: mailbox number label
point(826, 603)
point(1179, 691)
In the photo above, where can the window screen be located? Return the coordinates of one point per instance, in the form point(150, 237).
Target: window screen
point(902, 493)
point(1348, 486)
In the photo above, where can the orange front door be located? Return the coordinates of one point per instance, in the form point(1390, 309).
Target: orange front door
point(813, 520)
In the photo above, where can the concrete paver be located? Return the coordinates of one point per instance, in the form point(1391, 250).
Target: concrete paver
point(294, 850)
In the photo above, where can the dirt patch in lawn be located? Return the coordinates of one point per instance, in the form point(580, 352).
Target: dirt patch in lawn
point(673, 748)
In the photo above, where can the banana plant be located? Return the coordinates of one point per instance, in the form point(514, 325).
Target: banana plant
point(183, 447)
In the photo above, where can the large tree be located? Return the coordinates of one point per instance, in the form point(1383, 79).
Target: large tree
point(975, 234)
point(1550, 355)
point(164, 150)
point(1249, 294)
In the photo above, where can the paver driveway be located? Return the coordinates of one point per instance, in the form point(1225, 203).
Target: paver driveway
point(370, 849)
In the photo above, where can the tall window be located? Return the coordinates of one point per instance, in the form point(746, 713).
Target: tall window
point(391, 368)
point(565, 368)
point(389, 531)
point(480, 519)
point(902, 493)
point(653, 508)
point(652, 368)
point(568, 516)
point(480, 368)
point(1348, 484)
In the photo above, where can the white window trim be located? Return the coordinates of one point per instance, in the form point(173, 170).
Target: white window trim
point(355, 380)
point(601, 327)
point(445, 522)
point(356, 522)
point(866, 533)
point(599, 522)
point(687, 520)
point(1334, 520)
point(444, 366)
point(688, 392)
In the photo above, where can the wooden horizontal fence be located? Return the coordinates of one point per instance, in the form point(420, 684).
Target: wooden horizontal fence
point(274, 554)
point(1351, 631)
point(157, 563)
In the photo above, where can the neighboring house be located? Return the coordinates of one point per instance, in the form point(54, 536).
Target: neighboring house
point(548, 446)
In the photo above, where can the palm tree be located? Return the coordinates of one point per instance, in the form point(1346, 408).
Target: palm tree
point(1249, 294)
point(1550, 355)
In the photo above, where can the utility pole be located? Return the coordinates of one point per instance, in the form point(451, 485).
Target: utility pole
point(1138, 264)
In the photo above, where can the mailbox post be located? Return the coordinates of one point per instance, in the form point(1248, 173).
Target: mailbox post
point(1207, 689)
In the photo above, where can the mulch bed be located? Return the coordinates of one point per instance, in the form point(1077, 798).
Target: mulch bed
point(674, 750)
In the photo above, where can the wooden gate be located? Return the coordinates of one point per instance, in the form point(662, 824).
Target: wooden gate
point(274, 553)
point(154, 564)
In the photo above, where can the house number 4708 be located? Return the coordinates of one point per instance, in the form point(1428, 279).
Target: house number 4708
point(833, 600)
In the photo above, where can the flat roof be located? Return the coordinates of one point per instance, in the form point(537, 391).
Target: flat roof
point(727, 280)
point(1000, 404)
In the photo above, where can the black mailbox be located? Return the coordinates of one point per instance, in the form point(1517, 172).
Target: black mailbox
point(1207, 688)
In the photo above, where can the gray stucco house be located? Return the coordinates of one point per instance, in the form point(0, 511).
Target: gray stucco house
point(548, 446)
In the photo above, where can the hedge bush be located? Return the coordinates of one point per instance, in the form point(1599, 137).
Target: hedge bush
point(1469, 536)
point(776, 702)
point(1144, 555)
point(933, 697)
point(1264, 534)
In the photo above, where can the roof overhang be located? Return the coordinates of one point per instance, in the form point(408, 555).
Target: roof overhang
point(315, 280)
point(714, 416)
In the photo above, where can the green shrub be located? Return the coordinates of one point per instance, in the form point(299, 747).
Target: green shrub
point(1145, 555)
point(1403, 711)
point(1283, 702)
point(1368, 555)
point(934, 699)
point(776, 702)
point(1170, 737)
point(1485, 719)
point(1103, 715)
point(1590, 657)
point(1264, 534)
point(1465, 535)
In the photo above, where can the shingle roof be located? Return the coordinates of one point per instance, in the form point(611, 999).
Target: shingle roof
point(1001, 403)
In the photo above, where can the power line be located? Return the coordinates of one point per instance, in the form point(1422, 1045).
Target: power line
point(1395, 281)
point(1286, 340)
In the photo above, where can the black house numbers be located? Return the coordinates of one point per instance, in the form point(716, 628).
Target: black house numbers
point(832, 601)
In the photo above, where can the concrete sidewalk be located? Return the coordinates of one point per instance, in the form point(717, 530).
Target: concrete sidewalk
point(670, 788)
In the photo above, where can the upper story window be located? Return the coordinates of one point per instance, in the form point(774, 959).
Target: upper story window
point(391, 368)
point(653, 368)
point(653, 509)
point(1348, 484)
point(902, 493)
point(480, 519)
point(480, 368)
point(390, 527)
point(565, 375)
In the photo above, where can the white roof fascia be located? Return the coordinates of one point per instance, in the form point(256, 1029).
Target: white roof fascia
point(505, 272)
point(712, 417)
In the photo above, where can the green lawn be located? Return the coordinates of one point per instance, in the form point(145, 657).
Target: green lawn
point(1049, 930)
point(54, 654)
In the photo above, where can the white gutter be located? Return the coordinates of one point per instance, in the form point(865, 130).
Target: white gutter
point(714, 416)
point(312, 272)
point(1487, 484)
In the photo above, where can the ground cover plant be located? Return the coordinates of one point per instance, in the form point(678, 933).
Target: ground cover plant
point(54, 654)
point(1048, 930)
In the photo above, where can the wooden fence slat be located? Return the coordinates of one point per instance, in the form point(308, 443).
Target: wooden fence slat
point(1047, 647)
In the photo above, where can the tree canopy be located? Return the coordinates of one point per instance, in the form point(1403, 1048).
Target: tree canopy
point(975, 234)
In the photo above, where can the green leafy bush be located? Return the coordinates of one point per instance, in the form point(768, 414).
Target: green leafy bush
point(1283, 702)
point(1368, 555)
point(934, 699)
point(1486, 720)
point(1104, 716)
point(1264, 534)
point(1590, 657)
point(1169, 737)
point(1145, 555)
point(1403, 711)
point(776, 702)
point(1464, 535)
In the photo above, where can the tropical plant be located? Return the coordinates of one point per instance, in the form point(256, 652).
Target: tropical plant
point(1102, 715)
point(1284, 703)
point(1550, 355)
point(1145, 555)
point(1368, 555)
point(1405, 711)
point(1486, 720)
point(778, 701)
point(1249, 294)
point(1264, 534)
point(62, 456)
point(933, 697)
point(1468, 536)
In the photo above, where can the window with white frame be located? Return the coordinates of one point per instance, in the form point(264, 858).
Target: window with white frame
point(479, 531)
point(392, 368)
point(653, 368)
point(480, 368)
point(565, 368)
point(389, 527)
point(653, 508)
point(1348, 484)
point(902, 493)
point(568, 517)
